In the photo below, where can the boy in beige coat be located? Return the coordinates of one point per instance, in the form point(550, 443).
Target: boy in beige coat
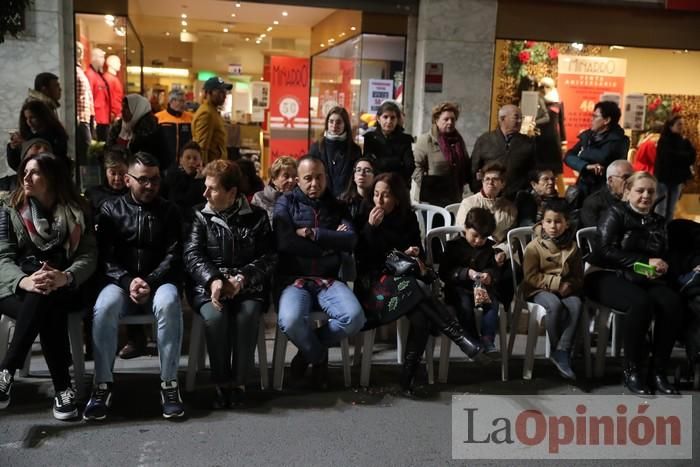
point(553, 271)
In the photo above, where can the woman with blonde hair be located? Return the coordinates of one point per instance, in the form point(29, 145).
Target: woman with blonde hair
point(283, 178)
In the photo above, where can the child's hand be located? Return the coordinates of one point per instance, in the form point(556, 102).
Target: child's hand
point(565, 289)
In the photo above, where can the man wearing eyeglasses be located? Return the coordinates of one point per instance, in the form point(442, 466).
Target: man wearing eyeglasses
point(596, 204)
point(141, 255)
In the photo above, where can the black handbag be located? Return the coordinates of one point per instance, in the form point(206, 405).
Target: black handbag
point(398, 263)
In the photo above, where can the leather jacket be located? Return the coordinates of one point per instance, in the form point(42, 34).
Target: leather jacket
point(140, 240)
point(625, 236)
point(236, 241)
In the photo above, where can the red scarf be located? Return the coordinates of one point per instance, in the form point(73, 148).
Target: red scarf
point(453, 148)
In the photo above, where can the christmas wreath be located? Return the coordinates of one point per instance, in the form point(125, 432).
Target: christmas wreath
point(12, 17)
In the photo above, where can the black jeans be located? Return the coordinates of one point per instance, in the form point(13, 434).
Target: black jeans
point(642, 303)
point(46, 316)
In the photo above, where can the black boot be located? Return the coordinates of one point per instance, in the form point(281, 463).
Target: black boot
point(659, 382)
point(633, 380)
point(450, 327)
point(411, 361)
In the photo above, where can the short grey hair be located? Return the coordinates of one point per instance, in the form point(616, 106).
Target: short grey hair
point(615, 165)
point(176, 94)
point(505, 110)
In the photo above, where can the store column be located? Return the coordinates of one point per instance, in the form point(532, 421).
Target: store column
point(460, 35)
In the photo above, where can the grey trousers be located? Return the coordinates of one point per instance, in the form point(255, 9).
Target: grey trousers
point(562, 318)
point(231, 338)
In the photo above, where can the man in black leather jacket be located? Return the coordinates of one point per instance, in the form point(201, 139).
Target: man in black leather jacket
point(596, 204)
point(139, 237)
point(311, 234)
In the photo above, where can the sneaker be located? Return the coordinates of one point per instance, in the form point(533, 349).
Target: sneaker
point(170, 399)
point(64, 407)
point(561, 360)
point(5, 387)
point(99, 403)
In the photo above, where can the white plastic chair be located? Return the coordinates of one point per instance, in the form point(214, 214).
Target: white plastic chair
point(518, 239)
point(608, 320)
point(453, 209)
point(444, 234)
point(198, 350)
point(75, 335)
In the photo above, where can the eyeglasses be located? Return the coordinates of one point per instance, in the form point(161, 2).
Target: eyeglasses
point(363, 171)
point(492, 179)
point(623, 176)
point(143, 181)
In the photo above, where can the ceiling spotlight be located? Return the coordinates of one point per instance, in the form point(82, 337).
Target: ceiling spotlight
point(247, 39)
point(263, 36)
point(233, 15)
point(184, 23)
point(257, 42)
point(167, 33)
point(269, 28)
point(284, 13)
point(225, 29)
point(133, 51)
point(331, 40)
point(275, 22)
point(261, 78)
point(238, 5)
point(353, 28)
point(109, 47)
point(577, 45)
point(184, 30)
point(342, 34)
point(183, 16)
point(323, 45)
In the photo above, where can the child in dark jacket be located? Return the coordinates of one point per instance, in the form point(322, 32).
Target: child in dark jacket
point(467, 260)
point(184, 184)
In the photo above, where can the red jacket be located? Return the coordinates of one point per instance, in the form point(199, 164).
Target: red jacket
point(100, 95)
point(645, 157)
point(116, 94)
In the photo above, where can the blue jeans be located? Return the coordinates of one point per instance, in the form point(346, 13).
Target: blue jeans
point(345, 317)
point(667, 207)
point(114, 303)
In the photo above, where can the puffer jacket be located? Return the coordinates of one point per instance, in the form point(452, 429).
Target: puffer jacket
point(593, 148)
point(16, 245)
point(237, 241)
point(546, 265)
point(302, 257)
point(625, 237)
point(339, 159)
point(140, 240)
point(392, 153)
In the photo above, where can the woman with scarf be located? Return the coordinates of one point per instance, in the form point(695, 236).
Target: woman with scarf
point(597, 147)
point(283, 179)
point(337, 150)
point(137, 130)
point(47, 251)
point(442, 162)
point(228, 286)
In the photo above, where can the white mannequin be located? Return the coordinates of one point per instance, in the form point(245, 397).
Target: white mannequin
point(97, 60)
point(114, 64)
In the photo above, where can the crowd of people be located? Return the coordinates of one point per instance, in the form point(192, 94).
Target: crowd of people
point(163, 226)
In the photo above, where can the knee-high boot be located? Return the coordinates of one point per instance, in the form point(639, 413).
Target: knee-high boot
point(449, 326)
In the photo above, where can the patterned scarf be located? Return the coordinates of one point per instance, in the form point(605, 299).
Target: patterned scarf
point(453, 148)
point(66, 229)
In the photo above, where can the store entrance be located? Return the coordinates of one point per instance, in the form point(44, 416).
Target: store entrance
point(287, 65)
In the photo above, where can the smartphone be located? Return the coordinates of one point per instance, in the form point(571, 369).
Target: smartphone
point(644, 269)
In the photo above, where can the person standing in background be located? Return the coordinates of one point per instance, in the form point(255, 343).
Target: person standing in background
point(175, 126)
point(208, 124)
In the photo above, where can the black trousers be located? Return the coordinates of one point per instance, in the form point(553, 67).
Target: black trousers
point(101, 132)
point(46, 316)
point(642, 303)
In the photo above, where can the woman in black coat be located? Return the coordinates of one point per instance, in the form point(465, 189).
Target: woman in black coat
point(230, 258)
point(388, 146)
point(337, 150)
point(632, 233)
point(137, 130)
point(391, 225)
point(36, 120)
point(674, 157)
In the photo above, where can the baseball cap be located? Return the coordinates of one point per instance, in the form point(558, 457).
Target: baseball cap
point(216, 83)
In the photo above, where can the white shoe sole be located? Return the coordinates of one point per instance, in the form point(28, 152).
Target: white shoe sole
point(3, 405)
point(64, 415)
point(174, 415)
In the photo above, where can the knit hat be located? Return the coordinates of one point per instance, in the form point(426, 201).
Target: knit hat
point(26, 146)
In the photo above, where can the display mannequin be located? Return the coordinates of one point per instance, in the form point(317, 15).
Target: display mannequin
point(100, 93)
point(551, 142)
point(116, 89)
point(84, 106)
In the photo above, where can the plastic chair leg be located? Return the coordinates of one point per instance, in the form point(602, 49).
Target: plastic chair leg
point(517, 309)
point(358, 342)
point(429, 366)
point(443, 369)
point(401, 337)
point(530, 346)
point(602, 345)
point(366, 366)
point(278, 359)
point(503, 340)
point(696, 376)
point(586, 335)
point(345, 352)
point(262, 357)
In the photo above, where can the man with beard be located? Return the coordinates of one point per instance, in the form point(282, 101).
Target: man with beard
point(139, 239)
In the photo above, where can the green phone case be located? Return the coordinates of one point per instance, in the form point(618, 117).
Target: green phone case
point(644, 269)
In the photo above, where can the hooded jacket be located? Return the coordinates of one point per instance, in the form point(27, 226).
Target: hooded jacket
point(317, 257)
point(144, 133)
point(546, 265)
